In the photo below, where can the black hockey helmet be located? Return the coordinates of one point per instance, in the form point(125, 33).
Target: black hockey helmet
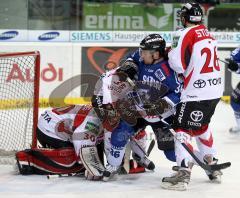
point(192, 12)
point(153, 42)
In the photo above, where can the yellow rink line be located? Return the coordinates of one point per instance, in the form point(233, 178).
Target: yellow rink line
point(57, 102)
point(43, 102)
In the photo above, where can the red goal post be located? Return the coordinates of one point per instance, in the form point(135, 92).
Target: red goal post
point(19, 99)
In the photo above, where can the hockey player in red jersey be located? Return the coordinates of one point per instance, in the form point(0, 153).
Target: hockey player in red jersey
point(194, 56)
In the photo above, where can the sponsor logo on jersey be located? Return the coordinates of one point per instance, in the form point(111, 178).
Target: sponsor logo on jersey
point(199, 83)
point(90, 126)
point(8, 35)
point(191, 96)
point(214, 81)
point(180, 116)
point(48, 36)
point(158, 73)
point(196, 116)
point(175, 41)
point(194, 124)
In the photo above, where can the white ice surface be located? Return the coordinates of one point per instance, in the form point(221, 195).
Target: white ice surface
point(139, 185)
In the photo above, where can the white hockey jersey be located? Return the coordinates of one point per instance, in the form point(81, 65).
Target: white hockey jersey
point(194, 55)
point(62, 123)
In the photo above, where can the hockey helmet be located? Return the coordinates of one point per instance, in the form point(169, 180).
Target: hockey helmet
point(153, 42)
point(192, 12)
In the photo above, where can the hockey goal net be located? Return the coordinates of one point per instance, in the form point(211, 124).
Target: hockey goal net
point(19, 93)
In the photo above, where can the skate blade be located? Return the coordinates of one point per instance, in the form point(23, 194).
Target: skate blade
point(217, 180)
point(180, 186)
point(112, 177)
point(106, 179)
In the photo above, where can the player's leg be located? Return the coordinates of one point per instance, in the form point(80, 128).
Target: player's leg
point(118, 141)
point(235, 104)
point(138, 145)
point(165, 139)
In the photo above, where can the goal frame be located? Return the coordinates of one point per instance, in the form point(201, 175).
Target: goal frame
point(36, 87)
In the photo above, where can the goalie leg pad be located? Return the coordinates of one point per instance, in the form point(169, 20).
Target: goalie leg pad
point(90, 159)
point(48, 161)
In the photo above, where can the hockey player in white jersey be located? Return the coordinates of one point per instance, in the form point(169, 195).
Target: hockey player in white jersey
point(194, 56)
point(234, 66)
point(107, 94)
point(73, 126)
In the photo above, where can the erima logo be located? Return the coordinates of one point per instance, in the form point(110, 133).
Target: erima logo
point(48, 36)
point(111, 21)
point(158, 22)
point(8, 35)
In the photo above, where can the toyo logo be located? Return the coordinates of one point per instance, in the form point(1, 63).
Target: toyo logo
point(48, 36)
point(8, 35)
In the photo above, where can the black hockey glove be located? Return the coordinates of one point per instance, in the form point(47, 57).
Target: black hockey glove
point(232, 65)
point(159, 107)
point(130, 69)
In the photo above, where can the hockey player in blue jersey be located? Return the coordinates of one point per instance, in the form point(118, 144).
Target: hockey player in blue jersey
point(234, 65)
point(148, 65)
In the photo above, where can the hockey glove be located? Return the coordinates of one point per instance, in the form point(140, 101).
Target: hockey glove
point(232, 65)
point(130, 69)
point(159, 107)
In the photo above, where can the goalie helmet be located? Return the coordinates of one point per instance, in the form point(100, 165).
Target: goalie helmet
point(153, 42)
point(191, 12)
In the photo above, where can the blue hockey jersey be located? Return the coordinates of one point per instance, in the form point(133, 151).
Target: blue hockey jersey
point(159, 73)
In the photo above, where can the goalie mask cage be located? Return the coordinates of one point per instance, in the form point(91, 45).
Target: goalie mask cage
point(19, 96)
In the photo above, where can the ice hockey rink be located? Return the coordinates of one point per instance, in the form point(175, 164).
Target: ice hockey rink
point(139, 185)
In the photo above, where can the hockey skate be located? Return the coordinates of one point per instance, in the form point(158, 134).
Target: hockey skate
point(215, 176)
point(178, 181)
point(234, 130)
point(110, 172)
point(145, 162)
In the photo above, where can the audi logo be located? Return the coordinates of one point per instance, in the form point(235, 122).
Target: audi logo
point(199, 83)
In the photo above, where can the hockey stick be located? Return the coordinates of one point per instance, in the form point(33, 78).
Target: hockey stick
point(63, 175)
point(210, 168)
point(150, 147)
point(126, 161)
point(223, 61)
point(126, 165)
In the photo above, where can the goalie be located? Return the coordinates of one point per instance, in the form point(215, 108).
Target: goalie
point(72, 142)
point(70, 137)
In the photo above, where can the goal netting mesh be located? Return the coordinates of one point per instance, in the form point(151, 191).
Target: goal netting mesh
point(19, 92)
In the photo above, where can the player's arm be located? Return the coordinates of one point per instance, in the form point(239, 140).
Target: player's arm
point(129, 67)
point(234, 61)
point(180, 53)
